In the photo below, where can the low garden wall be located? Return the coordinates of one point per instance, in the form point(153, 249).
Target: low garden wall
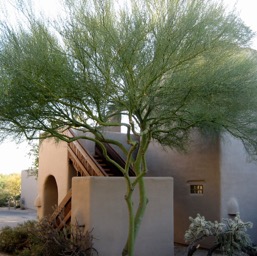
point(98, 203)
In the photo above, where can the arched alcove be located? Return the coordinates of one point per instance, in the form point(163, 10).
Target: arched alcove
point(50, 196)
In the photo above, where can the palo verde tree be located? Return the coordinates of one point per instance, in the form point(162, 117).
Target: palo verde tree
point(170, 66)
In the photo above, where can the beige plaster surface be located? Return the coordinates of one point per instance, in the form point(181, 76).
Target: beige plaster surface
point(53, 162)
point(98, 203)
point(29, 190)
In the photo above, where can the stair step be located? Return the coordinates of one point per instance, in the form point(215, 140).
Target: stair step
point(103, 165)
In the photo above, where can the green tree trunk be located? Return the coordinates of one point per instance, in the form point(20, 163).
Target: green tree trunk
point(135, 217)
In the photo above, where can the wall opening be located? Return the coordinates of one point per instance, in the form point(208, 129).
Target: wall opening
point(50, 196)
point(196, 189)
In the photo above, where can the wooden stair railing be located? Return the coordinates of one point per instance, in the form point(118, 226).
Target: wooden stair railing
point(82, 161)
point(62, 214)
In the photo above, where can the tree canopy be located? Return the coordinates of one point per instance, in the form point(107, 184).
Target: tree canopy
point(170, 66)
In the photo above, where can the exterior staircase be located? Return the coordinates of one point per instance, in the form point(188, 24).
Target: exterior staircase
point(110, 169)
point(62, 214)
point(86, 165)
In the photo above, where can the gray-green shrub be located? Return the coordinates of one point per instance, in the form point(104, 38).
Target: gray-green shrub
point(230, 235)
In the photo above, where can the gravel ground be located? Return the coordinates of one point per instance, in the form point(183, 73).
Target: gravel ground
point(181, 250)
point(11, 217)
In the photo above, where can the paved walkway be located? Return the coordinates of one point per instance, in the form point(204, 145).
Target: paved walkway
point(13, 216)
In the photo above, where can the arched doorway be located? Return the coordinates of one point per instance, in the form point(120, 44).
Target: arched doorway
point(50, 196)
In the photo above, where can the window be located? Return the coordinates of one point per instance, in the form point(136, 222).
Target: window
point(196, 189)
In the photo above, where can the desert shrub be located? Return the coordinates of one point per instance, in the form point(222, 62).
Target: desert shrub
point(43, 239)
point(71, 240)
point(230, 235)
point(14, 239)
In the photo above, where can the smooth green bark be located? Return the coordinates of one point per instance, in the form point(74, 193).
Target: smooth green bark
point(136, 213)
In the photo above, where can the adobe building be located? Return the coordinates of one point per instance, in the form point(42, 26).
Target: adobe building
point(214, 178)
point(29, 190)
point(90, 193)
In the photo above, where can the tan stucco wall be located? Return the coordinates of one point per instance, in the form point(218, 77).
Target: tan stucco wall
point(53, 161)
point(200, 165)
point(29, 190)
point(239, 179)
point(98, 203)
